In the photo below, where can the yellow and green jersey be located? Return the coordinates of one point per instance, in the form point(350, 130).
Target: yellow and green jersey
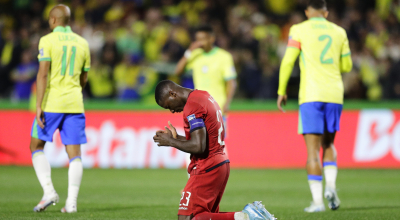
point(211, 71)
point(324, 54)
point(69, 55)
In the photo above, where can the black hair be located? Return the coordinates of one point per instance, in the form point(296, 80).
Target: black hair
point(317, 4)
point(161, 90)
point(205, 28)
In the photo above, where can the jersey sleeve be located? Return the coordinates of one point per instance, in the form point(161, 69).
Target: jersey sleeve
point(195, 115)
point(345, 47)
point(294, 38)
point(86, 67)
point(289, 59)
point(229, 71)
point(44, 50)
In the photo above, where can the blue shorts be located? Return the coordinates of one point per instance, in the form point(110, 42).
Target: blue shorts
point(71, 127)
point(319, 117)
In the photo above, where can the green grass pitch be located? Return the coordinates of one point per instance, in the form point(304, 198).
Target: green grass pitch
point(155, 194)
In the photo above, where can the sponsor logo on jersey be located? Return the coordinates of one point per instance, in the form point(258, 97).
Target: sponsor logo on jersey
point(191, 117)
point(41, 52)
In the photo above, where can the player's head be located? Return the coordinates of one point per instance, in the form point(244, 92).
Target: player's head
point(59, 16)
point(206, 36)
point(316, 8)
point(169, 96)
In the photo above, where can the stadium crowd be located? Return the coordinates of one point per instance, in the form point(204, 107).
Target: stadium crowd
point(135, 43)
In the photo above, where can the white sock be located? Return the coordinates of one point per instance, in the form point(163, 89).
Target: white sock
point(315, 183)
point(74, 179)
point(43, 171)
point(241, 216)
point(330, 171)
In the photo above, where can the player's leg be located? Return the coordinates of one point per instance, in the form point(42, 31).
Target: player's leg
point(73, 135)
point(329, 160)
point(75, 172)
point(311, 125)
point(332, 117)
point(40, 163)
point(314, 171)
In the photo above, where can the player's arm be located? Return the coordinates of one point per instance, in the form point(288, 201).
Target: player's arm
point(346, 64)
point(41, 84)
point(83, 79)
point(86, 67)
point(44, 58)
point(229, 74)
point(288, 61)
point(196, 144)
point(181, 65)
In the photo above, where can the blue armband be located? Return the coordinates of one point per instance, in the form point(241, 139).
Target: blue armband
point(195, 123)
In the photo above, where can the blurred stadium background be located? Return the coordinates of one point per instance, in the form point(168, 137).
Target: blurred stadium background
point(136, 43)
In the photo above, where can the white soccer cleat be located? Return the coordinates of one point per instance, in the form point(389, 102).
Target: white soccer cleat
point(315, 208)
point(46, 202)
point(332, 197)
point(69, 208)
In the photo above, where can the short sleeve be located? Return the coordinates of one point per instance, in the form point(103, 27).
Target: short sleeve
point(294, 38)
point(86, 67)
point(229, 71)
point(194, 116)
point(195, 53)
point(44, 50)
point(345, 47)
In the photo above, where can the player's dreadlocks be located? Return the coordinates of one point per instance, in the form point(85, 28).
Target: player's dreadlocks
point(317, 4)
point(162, 89)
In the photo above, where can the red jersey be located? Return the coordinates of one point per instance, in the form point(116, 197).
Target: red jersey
point(201, 110)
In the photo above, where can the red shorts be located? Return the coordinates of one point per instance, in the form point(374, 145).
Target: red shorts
point(203, 192)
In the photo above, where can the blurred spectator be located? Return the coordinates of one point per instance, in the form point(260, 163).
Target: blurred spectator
point(155, 33)
point(133, 80)
point(100, 79)
point(24, 76)
point(10, 53)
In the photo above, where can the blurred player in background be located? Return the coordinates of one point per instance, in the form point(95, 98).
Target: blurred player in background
point(204, 139)
point(324, 54)
point(213, 69)
point(64, 61)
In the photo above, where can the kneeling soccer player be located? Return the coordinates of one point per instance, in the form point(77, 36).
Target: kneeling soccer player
point(209, 167)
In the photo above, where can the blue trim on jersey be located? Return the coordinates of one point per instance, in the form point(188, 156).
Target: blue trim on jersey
point(314, 177)
point(196, 123)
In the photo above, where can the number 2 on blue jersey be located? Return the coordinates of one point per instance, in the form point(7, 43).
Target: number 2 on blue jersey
point(64, 61)
point(325, 50)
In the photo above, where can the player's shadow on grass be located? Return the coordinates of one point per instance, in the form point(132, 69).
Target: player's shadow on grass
point(364, 208)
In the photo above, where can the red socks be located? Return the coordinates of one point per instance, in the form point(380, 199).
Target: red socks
point(215, 216)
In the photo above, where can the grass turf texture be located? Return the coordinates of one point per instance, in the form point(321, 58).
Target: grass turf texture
point(155, 194)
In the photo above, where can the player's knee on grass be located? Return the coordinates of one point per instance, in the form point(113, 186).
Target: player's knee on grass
point(36, 144)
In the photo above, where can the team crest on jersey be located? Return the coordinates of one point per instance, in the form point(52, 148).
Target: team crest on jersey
point(41, 52)
point(204, 69)
point(191, 117)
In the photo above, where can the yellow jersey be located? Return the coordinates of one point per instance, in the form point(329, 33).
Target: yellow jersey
point(69, 55)
point(211, 71)
point(324, 55)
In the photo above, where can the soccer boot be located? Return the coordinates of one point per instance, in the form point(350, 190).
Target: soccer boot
point(46, 201)
point(332, 197)
point(253, 213)
point(261, 208)
point(69, 208)
point(315, 208)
